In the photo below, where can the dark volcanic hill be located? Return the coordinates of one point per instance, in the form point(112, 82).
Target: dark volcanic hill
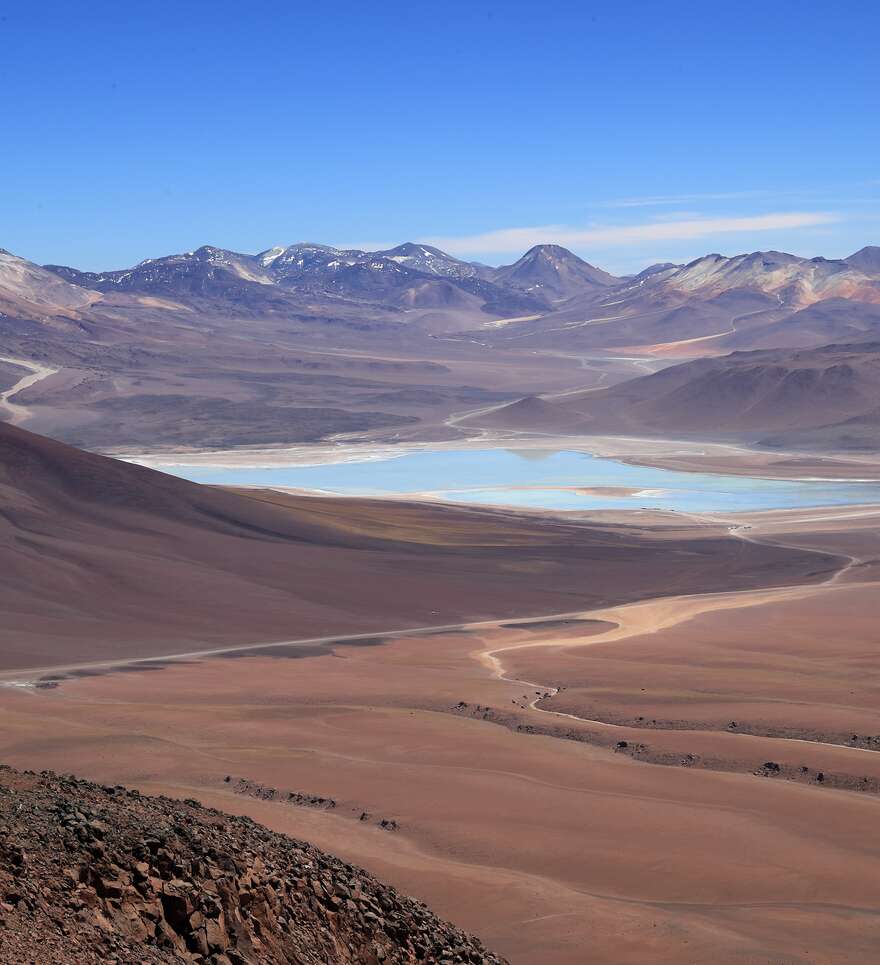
point(828, 396)
point(553, 273)
point(91, 874)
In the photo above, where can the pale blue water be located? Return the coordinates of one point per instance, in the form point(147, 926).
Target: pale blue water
point(490, 476)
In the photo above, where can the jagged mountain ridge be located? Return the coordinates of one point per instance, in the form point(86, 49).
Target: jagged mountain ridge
point(407, 276)
point(410, 275)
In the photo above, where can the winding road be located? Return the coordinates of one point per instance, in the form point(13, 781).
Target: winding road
point(37, 372)
point(661, 613)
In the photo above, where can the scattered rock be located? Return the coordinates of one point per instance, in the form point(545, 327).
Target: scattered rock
point(92, 874)
point(769, 769)
point(263, 793)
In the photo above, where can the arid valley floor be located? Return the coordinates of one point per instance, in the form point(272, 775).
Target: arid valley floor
point(687, 777)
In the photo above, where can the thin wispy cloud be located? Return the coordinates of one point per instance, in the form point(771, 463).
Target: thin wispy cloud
point(659, 200)
point(519, 239)
point(826, 191)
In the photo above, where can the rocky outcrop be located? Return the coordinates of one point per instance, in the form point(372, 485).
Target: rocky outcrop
point(91, 873)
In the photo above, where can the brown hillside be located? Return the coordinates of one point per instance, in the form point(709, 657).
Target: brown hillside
point(106, 560)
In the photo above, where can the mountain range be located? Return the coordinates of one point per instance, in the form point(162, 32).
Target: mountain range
point(546, 274)
point(408, 276)
point(708, 306)
point(548, 280)
point(215, 348)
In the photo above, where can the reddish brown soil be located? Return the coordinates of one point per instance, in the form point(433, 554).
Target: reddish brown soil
point(539, 832)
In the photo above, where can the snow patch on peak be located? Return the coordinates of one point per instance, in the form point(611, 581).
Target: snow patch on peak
point(265, 258)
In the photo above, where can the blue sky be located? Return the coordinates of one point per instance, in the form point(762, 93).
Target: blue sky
point(631, 132)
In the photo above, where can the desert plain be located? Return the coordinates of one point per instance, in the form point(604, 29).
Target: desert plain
point(682, 776)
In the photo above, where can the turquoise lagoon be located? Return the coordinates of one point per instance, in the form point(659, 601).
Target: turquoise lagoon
point(540, 479)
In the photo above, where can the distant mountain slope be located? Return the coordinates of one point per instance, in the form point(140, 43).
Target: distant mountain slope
point(207, 270)
point(795, 281)
point(30, 291)
point(665, 268)
point(866, 260)
point(433, 261)
point(860, 433)
point(553, 273)
point(831, 320)
point(788, 393)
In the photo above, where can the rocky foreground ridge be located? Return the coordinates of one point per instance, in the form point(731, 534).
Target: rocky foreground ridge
point(91, 873)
